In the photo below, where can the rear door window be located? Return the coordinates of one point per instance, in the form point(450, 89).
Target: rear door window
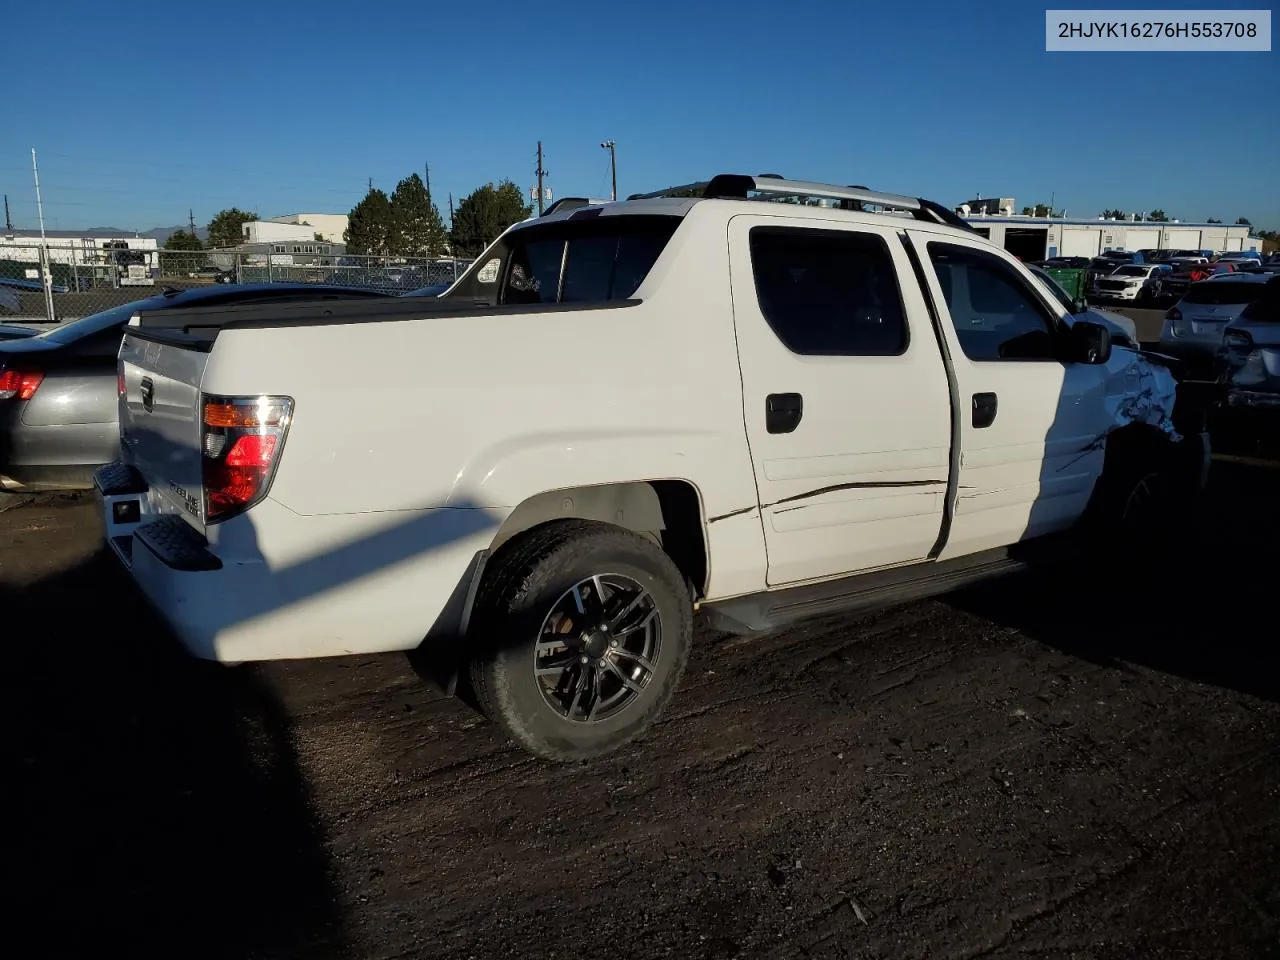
point(1232, 293)
point(597, 260)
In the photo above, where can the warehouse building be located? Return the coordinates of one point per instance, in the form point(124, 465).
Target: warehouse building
point(1038, 238)
point(295, 227)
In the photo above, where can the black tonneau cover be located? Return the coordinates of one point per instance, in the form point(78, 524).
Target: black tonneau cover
point(197, 327)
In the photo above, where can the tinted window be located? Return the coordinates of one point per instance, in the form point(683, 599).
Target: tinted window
point(534, 276)
point(593, 260)
point(1131, 272)
point(1230, 292)
point(1055, 288)
point(996, 315)
point(828, 293)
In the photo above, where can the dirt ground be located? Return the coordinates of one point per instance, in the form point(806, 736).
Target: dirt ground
point(1050, 766)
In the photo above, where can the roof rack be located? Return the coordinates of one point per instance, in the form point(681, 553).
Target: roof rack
point(770, 186)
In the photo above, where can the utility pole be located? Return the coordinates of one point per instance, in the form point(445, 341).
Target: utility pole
point(8, 223)
point(450, 211)
point(46, 267)
point(191, 219)
point(611, 146)
point(540, 173)
point(426, 169)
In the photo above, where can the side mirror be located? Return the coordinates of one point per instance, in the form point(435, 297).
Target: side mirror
point(1089, 342)
point(1079, 305)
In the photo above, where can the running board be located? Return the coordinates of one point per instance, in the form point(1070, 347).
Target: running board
point(774, 609)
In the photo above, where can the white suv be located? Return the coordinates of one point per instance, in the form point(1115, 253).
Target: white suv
point(1133, 282)
point(620, 415)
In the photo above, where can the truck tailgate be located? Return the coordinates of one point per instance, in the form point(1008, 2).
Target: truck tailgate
point(160, 422)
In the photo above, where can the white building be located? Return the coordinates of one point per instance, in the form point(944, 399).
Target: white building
point(1038, 238)
point(297, 227)
point(74, 248)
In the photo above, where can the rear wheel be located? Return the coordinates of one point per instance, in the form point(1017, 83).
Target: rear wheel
point(583, 632)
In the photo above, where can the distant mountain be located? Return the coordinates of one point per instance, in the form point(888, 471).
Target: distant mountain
point(159, 234)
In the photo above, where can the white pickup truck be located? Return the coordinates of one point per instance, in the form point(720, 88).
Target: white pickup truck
point(620, 415)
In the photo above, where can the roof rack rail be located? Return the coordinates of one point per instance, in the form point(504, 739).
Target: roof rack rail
point(767, 186)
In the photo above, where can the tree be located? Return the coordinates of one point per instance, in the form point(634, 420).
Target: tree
point(226, 229)
point(369, 226)
point(1213, 220)
point(1158, 216)
point(1115, 214)
point(183, 240)
point(484, 214)
point(1041, 210)
point(318, 237)
point(1244, 222)
point(418, 228)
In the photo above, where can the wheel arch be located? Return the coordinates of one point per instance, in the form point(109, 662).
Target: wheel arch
point(670, 512)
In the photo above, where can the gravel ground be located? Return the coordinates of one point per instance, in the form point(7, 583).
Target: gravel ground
point(1050, 766)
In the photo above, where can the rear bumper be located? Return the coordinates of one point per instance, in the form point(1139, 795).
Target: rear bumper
point(331, 585)
point(24, 478)
point(1253, 399)
point(52, 457)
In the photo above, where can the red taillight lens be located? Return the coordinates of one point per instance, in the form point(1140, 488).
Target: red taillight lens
point(120, 387)
point(242, 437)
point(19, 384)
point(1174, 314)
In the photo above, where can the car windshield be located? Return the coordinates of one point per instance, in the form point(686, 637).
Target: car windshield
point(1131, 272)
point(73, 330)
point(1230, 292)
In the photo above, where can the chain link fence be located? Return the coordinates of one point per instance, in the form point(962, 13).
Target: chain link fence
point(85, 279)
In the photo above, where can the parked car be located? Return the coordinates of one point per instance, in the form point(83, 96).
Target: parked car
point(1099, 267)
point(763, 411)
point(12, 331)
point(1133, 283)
point(1249, 371)
point(58, 402)
point(1193, 327)
point(1240, 259)
point(1174, 285)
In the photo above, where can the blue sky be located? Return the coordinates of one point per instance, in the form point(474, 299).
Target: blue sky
point(285, 107)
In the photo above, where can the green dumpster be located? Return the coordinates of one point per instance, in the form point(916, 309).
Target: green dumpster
point(1071, 279)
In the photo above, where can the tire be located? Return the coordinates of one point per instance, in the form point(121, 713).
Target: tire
point(1136, 513)
point(527, 603)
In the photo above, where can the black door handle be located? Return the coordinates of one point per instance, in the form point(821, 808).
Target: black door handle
point(984, 410)
point(782, 412)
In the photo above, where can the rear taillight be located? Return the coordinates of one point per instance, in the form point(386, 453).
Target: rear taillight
point(1174, 314)
point(241, 442)
point(19, 384)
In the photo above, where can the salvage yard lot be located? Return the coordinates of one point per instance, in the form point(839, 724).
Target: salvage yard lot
point(1054, 765)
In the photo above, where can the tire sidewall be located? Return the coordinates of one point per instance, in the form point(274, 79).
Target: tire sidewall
point(516, 691)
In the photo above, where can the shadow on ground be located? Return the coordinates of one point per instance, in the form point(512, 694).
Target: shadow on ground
point(156, 807)
point(1203, 611)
